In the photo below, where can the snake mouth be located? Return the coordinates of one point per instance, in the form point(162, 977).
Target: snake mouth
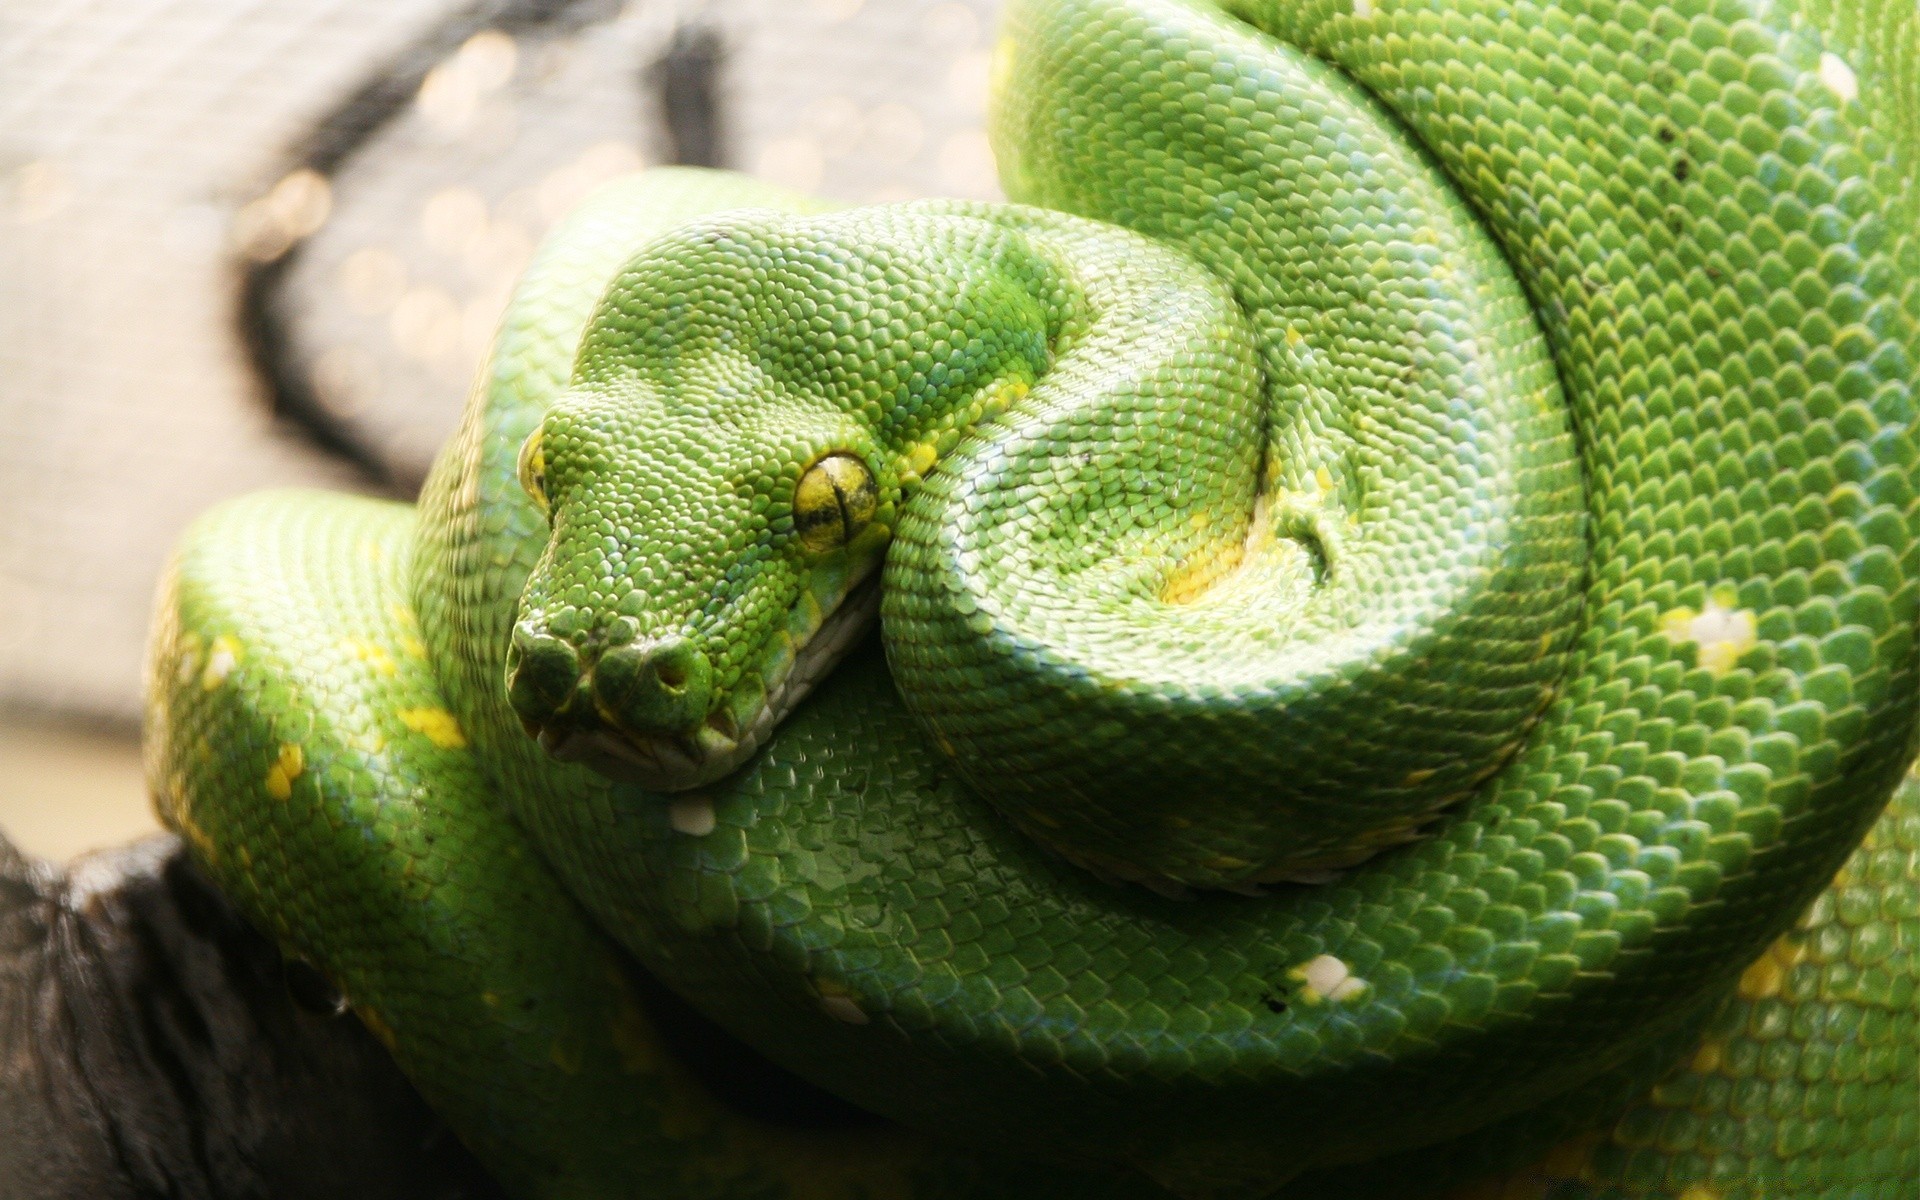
point(662, 764)
point(727, 738)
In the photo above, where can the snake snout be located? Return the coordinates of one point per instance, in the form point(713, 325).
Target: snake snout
point(542, 673)
point(656, 688)
point(636, 711)
point(653, 689)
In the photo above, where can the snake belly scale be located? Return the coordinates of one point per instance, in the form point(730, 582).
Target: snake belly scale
point(1396, 577)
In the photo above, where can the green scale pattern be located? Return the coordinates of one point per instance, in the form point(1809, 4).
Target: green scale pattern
point(519, 1020)
point(1707, 210)
point(1802, 1083)
point(1805, 1082)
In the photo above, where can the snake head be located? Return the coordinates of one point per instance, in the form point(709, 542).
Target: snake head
point(697, 580)
point(751, 400)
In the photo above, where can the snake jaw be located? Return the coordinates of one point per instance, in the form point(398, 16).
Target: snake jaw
point(659, 763)
point(726, 738)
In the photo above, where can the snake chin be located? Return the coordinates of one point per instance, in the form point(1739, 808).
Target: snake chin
point(726, 740)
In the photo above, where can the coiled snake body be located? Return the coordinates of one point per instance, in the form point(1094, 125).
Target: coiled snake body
point(1381, 639)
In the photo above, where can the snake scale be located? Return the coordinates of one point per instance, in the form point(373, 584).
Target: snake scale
point(1396, 577)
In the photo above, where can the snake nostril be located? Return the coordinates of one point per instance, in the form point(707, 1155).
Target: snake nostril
point(542, 673)
point(657, 687)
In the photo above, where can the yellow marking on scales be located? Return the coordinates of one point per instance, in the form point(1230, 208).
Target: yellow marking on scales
point(918, 458)
point(372, 654)
point(436, 724)
point(1209, 575)
point(287, 766)
point(1707, 1059)
point(916, 462)
point(1004, 397)
point(221, 661)
point(1720, 632)
point(1768, 974)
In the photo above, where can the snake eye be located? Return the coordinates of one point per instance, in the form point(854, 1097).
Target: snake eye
point(533, 471)
point(836, 499)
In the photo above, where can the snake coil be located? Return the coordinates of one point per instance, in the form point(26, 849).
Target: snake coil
point(1450, 475)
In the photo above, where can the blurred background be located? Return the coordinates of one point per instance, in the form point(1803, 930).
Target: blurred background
point(259, 243)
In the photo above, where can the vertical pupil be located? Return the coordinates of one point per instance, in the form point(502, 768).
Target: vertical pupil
point(840, 502)
point(835, 501)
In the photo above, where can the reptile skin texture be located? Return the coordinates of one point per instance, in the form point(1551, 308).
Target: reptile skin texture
point(1396, 576)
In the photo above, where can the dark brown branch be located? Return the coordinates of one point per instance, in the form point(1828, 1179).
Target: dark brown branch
point(150, 1047)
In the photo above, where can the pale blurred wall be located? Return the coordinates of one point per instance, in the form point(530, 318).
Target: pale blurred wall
point(151, 150)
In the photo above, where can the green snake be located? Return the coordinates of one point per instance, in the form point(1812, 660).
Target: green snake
point(1397, 580)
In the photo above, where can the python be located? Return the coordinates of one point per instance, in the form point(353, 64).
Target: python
point(1395, 573)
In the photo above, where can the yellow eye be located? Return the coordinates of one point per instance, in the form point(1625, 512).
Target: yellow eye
point(533, 471)
point(836, 499)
